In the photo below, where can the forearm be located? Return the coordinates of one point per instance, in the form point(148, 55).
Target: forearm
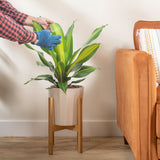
point(7, 9)
point(11, 30)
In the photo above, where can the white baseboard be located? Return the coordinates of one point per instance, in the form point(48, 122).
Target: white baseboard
point(28, 128)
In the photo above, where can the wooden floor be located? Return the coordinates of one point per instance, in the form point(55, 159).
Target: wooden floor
point(111, 148)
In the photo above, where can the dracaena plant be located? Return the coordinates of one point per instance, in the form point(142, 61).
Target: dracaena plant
point(66, 64)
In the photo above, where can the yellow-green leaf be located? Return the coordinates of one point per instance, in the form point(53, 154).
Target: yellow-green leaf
point(85, 55)
point(95, 34)
point(37, 27)
point(40, 64)
point(46, 77)
point(84, 71)
point(59, 49)
point(77, 81)
point(52, 53)
point(63, 86)
point(71, 59)
point(69, 42)
point(59, 72)
point(42, 58)
point(29, 46)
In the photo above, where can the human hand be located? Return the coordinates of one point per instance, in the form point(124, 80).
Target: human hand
point(41, 20)
point(46, 40)
point(44, 22)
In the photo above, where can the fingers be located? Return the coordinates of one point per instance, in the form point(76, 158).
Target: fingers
point(51, 47)
point(49, 21)
point(44, 22)
point(48, 28)
point(56, 42)
point(57, 37)
point(46, 40)
point(45, 26)
point(54, 45)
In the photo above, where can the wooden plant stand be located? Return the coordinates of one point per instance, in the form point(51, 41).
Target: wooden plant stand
point(52, 128)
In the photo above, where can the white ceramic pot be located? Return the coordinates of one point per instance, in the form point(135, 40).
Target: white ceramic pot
point(65, 106)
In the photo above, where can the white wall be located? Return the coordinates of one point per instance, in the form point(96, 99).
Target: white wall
point(27, 105)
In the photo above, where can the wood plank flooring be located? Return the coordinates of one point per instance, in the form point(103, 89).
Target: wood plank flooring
point(94, 148)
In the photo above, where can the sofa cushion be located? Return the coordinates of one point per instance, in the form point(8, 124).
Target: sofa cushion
point(149, 41)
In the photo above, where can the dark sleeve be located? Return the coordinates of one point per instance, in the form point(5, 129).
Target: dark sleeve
point(7, 9)
point(11, 30)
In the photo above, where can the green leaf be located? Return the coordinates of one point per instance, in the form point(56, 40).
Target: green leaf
point(69, 42)
point(54, 56)
point(86, 53)
point(51, 53)
point(73, 56)
point(45, 62)
point(78, 81)
point(63, 86)
point(42, 58)
point(76, 67)
point(29, 46)
point(59, 49)
point(84, 71)
point(37, 27)
point(59, 72)
point(46, 77)
point(46, 50)
point(51, 66)
point(40, 64)
point(95, 34)
point(52, 87)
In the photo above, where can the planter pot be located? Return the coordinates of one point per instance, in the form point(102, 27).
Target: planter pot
point(65, 106)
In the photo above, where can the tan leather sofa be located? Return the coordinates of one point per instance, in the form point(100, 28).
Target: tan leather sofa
point(138, 98)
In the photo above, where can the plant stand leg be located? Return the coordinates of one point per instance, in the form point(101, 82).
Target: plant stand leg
point(80, 125)
point(53, 128)
point(53, 138)
point(77, 138)
point(50, 126)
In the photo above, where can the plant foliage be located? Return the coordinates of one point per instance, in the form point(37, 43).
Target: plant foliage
point(64, 59)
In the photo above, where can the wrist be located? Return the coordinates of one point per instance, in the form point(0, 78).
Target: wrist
point(28, 21)
point(34, 39)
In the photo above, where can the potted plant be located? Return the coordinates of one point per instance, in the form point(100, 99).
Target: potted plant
point(66, 65)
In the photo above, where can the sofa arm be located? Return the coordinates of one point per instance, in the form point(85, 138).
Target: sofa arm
point(158, 121)
point(136, 99)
